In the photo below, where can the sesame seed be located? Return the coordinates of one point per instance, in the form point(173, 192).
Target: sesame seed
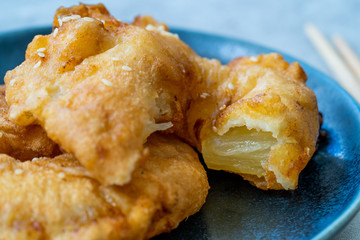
point(307, 149)
point(18, 171)
point(103, 21)
point(12, 81)
point(41, 54)
point(214, 128)
point(65, 19)
point(56, 30)
point(72, 17)
point(165, 33)
point(204, 95)
point(60, 22)
point(253, 59)
point(41, 49)
point(37, 64)
point(126, 68)
point(35, 159)
point(115, 59)
point(89, 19)
point(161, 28)
point(230, 86)
point(150, 27)
point(222, 107)
point(1, 134)
point(107, 82)
point(61, 175)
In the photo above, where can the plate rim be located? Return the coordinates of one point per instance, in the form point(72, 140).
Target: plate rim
point(351, 209)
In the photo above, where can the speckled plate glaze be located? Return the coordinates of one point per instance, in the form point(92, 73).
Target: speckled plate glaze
point(328, 195)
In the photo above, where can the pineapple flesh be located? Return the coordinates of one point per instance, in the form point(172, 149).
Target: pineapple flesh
point(239, 150)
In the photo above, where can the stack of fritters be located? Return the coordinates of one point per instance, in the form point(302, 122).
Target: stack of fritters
point(57, 198)
point(101, 89)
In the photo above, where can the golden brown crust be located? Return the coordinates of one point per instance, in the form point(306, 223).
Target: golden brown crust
point(297, 116)
point(57, 199)
point(23, 142)
point(97, 11)
point(271, 96)
point(100, 92)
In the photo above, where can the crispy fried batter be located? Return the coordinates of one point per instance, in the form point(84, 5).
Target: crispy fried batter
point(268, 124)
point(57, 199)
point(23, 142)
point(100, 92)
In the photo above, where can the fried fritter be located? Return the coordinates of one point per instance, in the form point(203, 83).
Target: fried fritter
point(99, 92)
point(23, 142)
point(267, 128)
point(57, 198)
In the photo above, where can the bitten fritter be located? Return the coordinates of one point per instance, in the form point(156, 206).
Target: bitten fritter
point(267, 128)
point(57, 198)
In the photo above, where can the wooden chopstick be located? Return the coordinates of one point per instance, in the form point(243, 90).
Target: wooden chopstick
point(342, 73)
point(348, 54)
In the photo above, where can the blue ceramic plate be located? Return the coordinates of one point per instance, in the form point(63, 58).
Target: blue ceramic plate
point(328, 195)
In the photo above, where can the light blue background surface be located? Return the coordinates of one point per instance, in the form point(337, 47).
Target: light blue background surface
point(277, 24)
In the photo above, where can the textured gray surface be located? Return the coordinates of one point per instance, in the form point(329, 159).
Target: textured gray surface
point(276, 24)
